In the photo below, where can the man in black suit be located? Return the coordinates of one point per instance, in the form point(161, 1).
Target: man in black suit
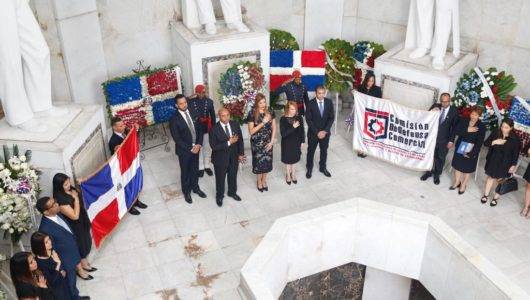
point(119, 132)
point(188, 143)
point(202, 107)
point(446, 136)
point(227, 152)
point(319, 117)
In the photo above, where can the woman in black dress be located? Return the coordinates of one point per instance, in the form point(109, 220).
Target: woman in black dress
point(49, 263)
point(28, 280)
point(526, 210)
point(293, 136)
point(502, 157)
point(72, 207)
point(369, 88)
point(262, 130)
point(472, 132)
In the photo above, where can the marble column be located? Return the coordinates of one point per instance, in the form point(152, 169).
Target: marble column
point(381, 285)
point(82, 48)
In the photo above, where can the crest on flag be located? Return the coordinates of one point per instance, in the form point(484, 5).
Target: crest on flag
point(375, 124)
point(110, 192)
point(311, 63)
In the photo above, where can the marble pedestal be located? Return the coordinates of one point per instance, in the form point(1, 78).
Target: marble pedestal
point(203, 58)
point(74, 144)
point(413, 82)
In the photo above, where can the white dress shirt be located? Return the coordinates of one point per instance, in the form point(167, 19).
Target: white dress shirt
point(183, 114)
point(59, 222)
point(223, 125)
point(119, 134)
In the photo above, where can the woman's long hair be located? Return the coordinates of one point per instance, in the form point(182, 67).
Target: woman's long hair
point(58, 181)
point(510, 123)
point(255, 109)
point(364, 84)
point(19, 268)
point(38, 244)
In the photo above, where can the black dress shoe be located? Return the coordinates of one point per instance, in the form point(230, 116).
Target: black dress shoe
point(134, 211)
point(266, 188)
point(140, 204)
point(361, 155)
point(325, 172)
point(308, 174)
point(208, 171)
point(200, 193)
point(436, 179)
point(295, 181)
point(84, 298)
point(92, 269)
point(235, 197)
point(187, 198)
point(219, 201)
point(88, 277)
point(425, 176)
point(201, 173)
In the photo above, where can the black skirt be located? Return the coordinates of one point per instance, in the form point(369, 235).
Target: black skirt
point(526, 175)
point(81, 226)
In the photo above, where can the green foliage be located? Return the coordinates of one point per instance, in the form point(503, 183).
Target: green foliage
point(282, 40)
point(8, 153)
point(340, 52)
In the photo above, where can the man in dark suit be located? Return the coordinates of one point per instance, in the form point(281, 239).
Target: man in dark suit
point(188, 143)
point(446, 135)
point(202, 107)
point(54, 225)
point(227, 152)
point(320, 116)
point(119, 132)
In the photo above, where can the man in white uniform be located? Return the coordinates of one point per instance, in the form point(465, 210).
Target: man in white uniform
point(423, 15)
point(231, 13)
point(25, 76)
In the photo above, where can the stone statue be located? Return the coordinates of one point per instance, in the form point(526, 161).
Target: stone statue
point(201, 12)
point(25, 76)
point(423, 15)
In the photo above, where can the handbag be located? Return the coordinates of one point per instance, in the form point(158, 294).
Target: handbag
point(506, 185)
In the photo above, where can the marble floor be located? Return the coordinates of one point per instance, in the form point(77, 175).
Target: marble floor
point(175, 250)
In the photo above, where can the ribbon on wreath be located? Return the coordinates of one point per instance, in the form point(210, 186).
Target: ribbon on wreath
point(334, 68)
point(206, 121)
point(489, 93)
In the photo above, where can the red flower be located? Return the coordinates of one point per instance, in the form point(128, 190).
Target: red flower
point(371, 62)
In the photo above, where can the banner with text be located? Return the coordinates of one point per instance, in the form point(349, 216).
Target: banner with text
point(394, 133)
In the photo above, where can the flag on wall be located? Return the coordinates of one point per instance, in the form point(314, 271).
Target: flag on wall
point(311, 63)
point(110, 192)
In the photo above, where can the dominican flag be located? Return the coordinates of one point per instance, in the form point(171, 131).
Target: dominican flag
point(311, 63)
point(111, 191)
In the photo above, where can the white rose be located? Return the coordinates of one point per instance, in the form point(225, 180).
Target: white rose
point(6, 226)
point(494, 73)
point(22, 158)
point(11, 230)
point(24, 166)
point(490, 83)
point(16, 167)
point(1, 166)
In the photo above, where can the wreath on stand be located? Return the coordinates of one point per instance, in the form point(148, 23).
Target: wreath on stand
point(364, 54)
point(239, 86)
point(340, 68)
point(478, 88)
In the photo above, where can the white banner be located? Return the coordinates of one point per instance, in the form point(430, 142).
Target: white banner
point(403, 136)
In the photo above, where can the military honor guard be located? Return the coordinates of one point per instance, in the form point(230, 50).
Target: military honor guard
point(295, 91)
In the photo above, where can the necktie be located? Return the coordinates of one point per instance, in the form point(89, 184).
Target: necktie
point(63, 224)
point(321, 107)
point(190, 126)
point(226, 131)
point(442, 116)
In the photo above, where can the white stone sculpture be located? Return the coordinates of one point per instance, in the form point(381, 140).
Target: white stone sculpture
point(423, 15)
point(201, 12)
point(25, 76)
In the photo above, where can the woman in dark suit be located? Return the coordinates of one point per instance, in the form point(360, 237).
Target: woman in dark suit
point(28, 280)
point(49, 263)
point(502, 157)
point(471, 133)
point(293, 136)
point(369, 88)
point(72, 207)
point(262, 130)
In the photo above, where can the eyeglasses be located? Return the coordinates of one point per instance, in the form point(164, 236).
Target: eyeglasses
point(52, 205)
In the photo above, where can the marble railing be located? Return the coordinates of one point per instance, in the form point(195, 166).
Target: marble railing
point(389, 238)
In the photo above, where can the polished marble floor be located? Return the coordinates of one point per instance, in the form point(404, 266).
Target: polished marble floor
point(175, 250)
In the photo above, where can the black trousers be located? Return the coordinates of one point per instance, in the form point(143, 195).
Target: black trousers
point(312, 142)
point(224, 171)
point(189, 168)
point(440, 152)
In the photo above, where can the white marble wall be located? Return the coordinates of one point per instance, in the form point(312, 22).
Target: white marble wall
point(134, 29)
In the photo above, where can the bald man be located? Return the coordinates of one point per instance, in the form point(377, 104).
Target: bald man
point(227, 151)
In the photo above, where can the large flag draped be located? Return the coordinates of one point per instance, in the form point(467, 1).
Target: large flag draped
point(311, 63)
point(394, 133)
point(110, 192)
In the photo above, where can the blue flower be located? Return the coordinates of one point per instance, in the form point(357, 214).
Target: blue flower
point(473, 97)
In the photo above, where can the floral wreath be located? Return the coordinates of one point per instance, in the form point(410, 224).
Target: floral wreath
point(239, 86)
point(471, 91)
point(341, 65)
point(365, 53)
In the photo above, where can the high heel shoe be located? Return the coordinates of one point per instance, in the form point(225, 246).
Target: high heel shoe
point(89, 277)
point(461, 192)
point(452, 188)
point(293, 179)
point(92, 269)
point(266, 188)
point(259, 189)
point(287, 181)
